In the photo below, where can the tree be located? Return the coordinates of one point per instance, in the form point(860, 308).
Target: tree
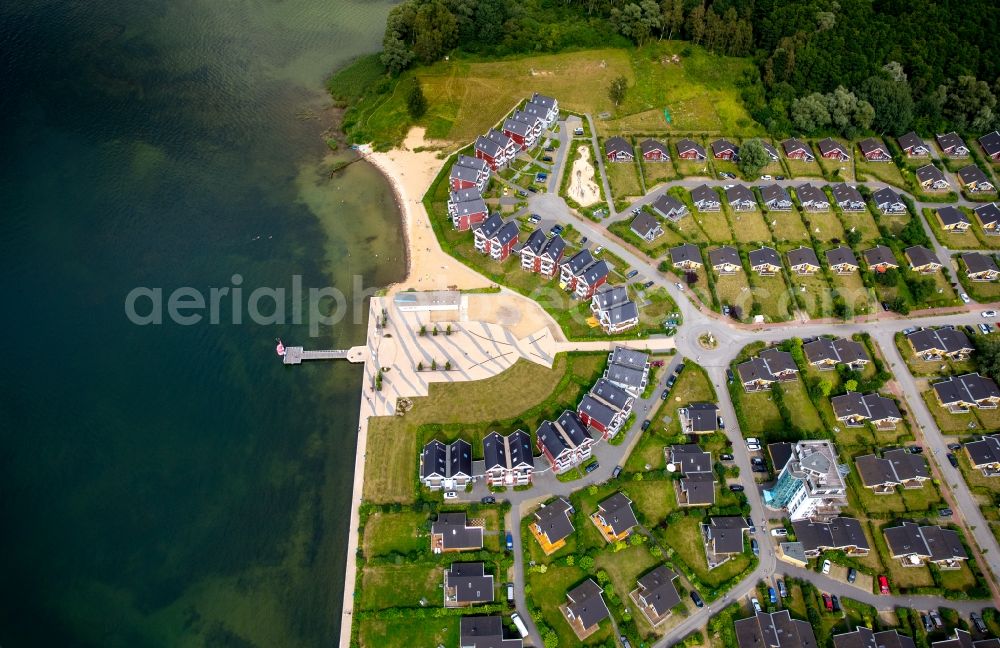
point(551, 639)
point(637, 21)
point(753, 158)
point(489, 20)
point(892, 102)
point(696, 24)
point(810, 113)
point(970, 104)
point(435, 31)
point(988, 355)
point(617, 89)
point(848, 114)
point(416, 103)
point(851, 385)
point(587, 563)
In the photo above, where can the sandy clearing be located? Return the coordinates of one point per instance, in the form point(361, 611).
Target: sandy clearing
point(582, 187)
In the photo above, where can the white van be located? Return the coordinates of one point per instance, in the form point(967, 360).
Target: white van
point(520, 625)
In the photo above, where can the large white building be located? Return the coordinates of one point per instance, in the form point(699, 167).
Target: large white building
point(810, 484)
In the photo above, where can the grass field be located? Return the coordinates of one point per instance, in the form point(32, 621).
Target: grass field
point(684, 537)
point(655, 173)
point(764, 417)
point(393, 441)
point(733, 290)
point(387, 533)
point(401, 586)
point(824, 226)
point(692, 386)
point(804, 415)
point(715, 225)
point(887, 172)
point(861, 222)
point(852, 288)
point(549, 591)
point(815, 292)
point(649, 452)
point(787, 226)
point(624, 180)
point(750, 227)
point(771, 293)
point(409, 631)
point(955, 240)
point(803, 169)
point(947, 422)
point(624, 568)
point(983, 291)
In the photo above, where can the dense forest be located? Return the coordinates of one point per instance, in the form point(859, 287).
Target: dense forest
point(845, 66)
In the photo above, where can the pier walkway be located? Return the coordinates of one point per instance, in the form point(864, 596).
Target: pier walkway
point(296, 355)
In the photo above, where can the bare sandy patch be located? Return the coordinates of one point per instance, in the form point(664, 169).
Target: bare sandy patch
point(582, 187)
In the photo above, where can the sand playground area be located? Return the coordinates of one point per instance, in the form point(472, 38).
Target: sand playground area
point(582, 187)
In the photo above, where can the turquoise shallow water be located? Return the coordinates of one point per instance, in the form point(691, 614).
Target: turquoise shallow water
point(175, 485)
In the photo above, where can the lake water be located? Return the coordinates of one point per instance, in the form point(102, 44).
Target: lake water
point(169, 485)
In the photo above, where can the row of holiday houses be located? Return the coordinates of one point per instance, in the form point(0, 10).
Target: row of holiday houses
point(564, 443)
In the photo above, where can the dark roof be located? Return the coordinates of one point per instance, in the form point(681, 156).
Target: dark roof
point(554, 248)
point(753, 370)
point(700, 488)
point(704, 193)
point(864, 637)
point(608, 296)
point(471, 582)
point(587, 603)
point(460, 457)
point(618, 144)
point(488, 146)
point(810, 193)
point(967, 388)
point(490, 226)
point(930, 173)
point(595, 272)
point(627, 357)
point(802, 255)
point(517, 127)
point(910, 140)
point(530, 118)
point(502, 140)
point(930, 541)
point(774, 630)
point(952, 216)
point(648, 145)
point(474, 206)
point(774, 193)
point(880, 254)
point(507, 452)
point(434, 459)
point(617, 512)
point(658, 591)
point(870, 145)
point(949, 140)
point(722, 145)
point(845, 193)
point(455, 532)
point(703, 416)
point(906, 465)
point(554, 520)
point(791, 145)
point(461, 172)
point(690, 145)
point(840, 350)
point(667, 204)
point(565, 433)
point(692, 458)
point(886, 195)
point(827, 144)
point(543, 100)
point(485, 632)
point(627, 311)
point(610, 393)
point(727, 533)
point(972, 174)
point(840, 255)
point(579, 261)
point(644, 223)
point(738, 193)
point(838, 533)
point(871, 407)
point(625, 376)
point(764, 255)
point(963, 639)
point(686, 253)
point(990, 143)
point(920, 256)
point(984, 452)
point(944, 339)
point(508, 232)
point(723, 255)
point(779, 361)
point(894, 467)
point(780, 453)
point(464, 195)
point(773, 152)
point(474, 163)
point(988, 213)
point(595, 409)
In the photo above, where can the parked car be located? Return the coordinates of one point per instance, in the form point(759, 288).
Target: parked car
point(883, 585)
point(730, 376)
point(782, 592)
point(936, 618)
point(836, 603)
point(984, 329)
point(522, 193)
point(584, 240)
point(753, 444)
point(753, 529)
point(510, 541)
point(780, 532)
point(591, 467)
point(489, 499)
point(450, 495)
point(912, 329)
point(534, 218)
point(953, 460)
point(978, 622)
point(766, 177)
point(779, 177)
point(546, 158)
point(631, 273)
point(736, 488)
point(625, 642)
point(755, 603)
point(852, 575)
point(617, 471)
point(757, 465)
point(646, 424)
point(510, 592)
point(885, 306)
point(827, 602)
point(726, 456)
point(916, 449)
point(556, 229)
point(577, 131)
point(772, 595)
point(664, 394)
point(826, 566)
point(965, 298)
point(721, 422)
point(945, 512)
point(671, 380)
point(989, 313)
point(599, 249)
point(697, 599)
point(928, 624)
point(955, 446)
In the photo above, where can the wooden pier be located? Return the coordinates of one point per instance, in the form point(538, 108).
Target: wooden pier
point(297, 355)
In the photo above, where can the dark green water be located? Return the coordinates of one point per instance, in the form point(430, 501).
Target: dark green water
point(175, 485)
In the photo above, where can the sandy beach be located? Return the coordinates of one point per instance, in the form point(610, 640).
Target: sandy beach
point(411, 171)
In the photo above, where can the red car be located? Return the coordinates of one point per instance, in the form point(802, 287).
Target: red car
point(883, 585)
point(828, 602)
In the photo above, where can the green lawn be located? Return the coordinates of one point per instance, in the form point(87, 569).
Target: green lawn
point(387, 533)
point(982, 291)
point(862, 222)
point(409, 631)
point(762, 413)
point(804, 415)
point(655, 173)
point(548, 591)
point(624, 568)
point(920, 367)
point(624, 180)
point(954, 240)
point(693, 386)
point(824, 226)
point(648, 452)
point(684, 537)
point(787, 226)
point(733, 290)
point(801, 168)
point(815, 293)
point(715, 225)
point(771, 293)
point(750, 226)
point(852, 288)
point(887, 172)
point(401, 586)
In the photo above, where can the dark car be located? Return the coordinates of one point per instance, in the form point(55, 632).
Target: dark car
point(945, 512)
point(726, 457)
point(916, 449)
point(754, 548)
point(885, 306)
point(631, 273)
point(617, 471)
point(664, 394)
point(697, 599)
point(531, 189)
point(489, 499)
point(556, 229)
point(978, 622)
point(928, 626)
point(953, 460)
point(836, 603)
point(736, 488)
point(592, 467)
point(852, 575)
point(648, 284)
point(522, 193)
point(679, 368)
point(729, 375)
point(671, 380)
point(954, 446)
point(583, 241)
point(546, 158)
point(645, 424)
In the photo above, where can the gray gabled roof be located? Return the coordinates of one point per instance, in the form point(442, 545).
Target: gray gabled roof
point(668, 206)
point(554, 520)
point(610, 393)
point(930, 173)
point(617, 512)
point(723, 255)
point(648, 145)
point(658, 591)
point(791, 145)
point(625, 312)
point(809, 193)
point(739, 193)
point(802, 256)
point(984, 452)
point(464, 195)
point(485, 632)
point(864, 637)
point(692, 458)
point(950, 140)
point(952, 216)
point(967, 388)
point(703, 416)
point(723, 145)
point(828, 145)
point(880, 255)
point(471, 582)
point(466, 173)
point(841, 255)
point(536, 242)
point(894, 467)
point(488, 146)
point(845, 193)
point(871, 145)
point(618, 145)
point(586, 603)
point(972, 174)
point(990, 143)
point(595, 272)
point(948, 340)
point(726, 533)
point(978, 262)
point(596, 410)
point(508, 232)
point(886, 196)
point(838, 533)
point(930, 541)
point(920, 256)
point(507, 452)
point(779, 361)
point(753, 370)
point(580, 261)
point(764, 255)
point(911, 140)
point(608, 296)
point(774, 193)
point(686, 253)
point(774, 630)
point(517, 127)
point(490, 226)
point(704, 193)
point(644, 223)
point(988, 214)
point(626, 357)
point(686, 145)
